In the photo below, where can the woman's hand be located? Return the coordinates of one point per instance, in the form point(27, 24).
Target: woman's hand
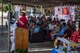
point(17, 19)
point(21, 22)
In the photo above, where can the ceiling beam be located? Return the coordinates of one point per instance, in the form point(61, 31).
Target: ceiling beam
point(44, 2)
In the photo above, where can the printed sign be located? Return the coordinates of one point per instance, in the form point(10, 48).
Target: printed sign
point(65, 12)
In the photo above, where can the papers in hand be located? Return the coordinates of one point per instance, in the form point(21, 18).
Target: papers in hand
point(17, 19)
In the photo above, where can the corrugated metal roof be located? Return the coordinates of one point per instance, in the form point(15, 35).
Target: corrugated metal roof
point(42, 2)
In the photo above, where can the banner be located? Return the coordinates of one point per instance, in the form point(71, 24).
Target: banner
point(65, 12)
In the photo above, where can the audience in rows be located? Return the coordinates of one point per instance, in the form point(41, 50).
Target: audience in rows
point(52, 27)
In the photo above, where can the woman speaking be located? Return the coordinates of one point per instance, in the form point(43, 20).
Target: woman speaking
point(22, 22)
point(22, 33)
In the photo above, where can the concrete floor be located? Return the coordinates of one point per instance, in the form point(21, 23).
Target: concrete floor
point(44, 47)
point(3, 40)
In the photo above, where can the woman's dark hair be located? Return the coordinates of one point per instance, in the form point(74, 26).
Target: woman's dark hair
point(69, 25)
point(64, 24)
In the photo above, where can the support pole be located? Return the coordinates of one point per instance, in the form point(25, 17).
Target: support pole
point(9, 3)
point(2, 18)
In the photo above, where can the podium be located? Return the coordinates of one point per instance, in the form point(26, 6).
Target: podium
point(21, 38)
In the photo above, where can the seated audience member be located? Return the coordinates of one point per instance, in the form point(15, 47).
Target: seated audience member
point(62, 31)
point(73, 26)
point(57, 27)
point(55, 30)
point(75, 35)
point(63, 41)
point(36, 29)
point(62, 38)
point(68, 32)
point(51, 26)
point(79, 27)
